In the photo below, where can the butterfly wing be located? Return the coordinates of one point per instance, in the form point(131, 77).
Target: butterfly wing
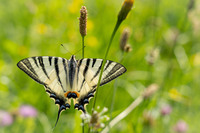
point(50, 72)
point(88, 72)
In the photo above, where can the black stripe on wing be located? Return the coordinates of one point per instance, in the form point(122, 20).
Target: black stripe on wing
point(35, 61)
point(57, 71)
point(115, 72)
point(85, 72)
point(86, 67)
point(65, 69)
point(79, 64)
point(26, 66)
point(40, 58)
point(72, 70)
point(107, 64)
point(50, 60)
point(93, 62)
point(97, 71)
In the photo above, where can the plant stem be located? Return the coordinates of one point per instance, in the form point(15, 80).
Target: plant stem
point(114, 92)
point(112, 102)
point(104, 60)
point(83, 125)
point(83, 37)
point(174, 44)
point(123, 114)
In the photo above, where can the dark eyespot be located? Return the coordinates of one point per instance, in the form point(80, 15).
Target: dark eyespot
point(57, 101)
point(73, 95)
point(62, 107)
point(52, 95)
point(67, 105)
point(69, 95)
point(80, 107)
point(85, 101)
point(76, 105)
point(90, 95)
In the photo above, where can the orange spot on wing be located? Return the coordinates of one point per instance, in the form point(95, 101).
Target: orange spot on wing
point(67, 93)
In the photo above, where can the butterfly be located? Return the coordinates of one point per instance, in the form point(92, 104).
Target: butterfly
point(70, 79)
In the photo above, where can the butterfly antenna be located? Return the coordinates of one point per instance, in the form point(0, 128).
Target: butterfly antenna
point(79, 50)
point(66, 49)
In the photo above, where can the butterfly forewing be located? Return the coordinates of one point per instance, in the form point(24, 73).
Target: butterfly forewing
point(90, 68)
point(46, 70)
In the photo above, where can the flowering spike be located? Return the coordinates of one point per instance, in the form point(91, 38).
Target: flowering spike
point(123, 41)
point(83, 21)
point(126, 7)
point(127, 48)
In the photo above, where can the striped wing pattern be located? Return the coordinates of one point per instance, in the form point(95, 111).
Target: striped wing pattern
point(70, 79)
point(47, 71)
point(88, 76)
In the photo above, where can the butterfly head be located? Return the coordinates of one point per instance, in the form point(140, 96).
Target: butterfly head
point(72, 58)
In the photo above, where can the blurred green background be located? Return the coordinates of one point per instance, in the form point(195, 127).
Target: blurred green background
point(164, 36)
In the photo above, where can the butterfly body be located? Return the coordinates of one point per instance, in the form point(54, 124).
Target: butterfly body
point(70, 79)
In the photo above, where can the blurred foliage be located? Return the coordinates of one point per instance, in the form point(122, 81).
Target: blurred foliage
point(166, 51)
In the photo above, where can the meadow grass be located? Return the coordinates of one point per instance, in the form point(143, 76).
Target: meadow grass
point(158, 93)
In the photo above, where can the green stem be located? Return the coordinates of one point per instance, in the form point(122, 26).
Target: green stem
point(83, 125)
point(83, 46)
point(83, 37)
point(123, 114)
point(114, 92)
point(112, 102)
point(104, 60)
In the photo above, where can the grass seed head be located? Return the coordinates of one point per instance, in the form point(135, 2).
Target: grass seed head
point(123, 41)
point(83, 21)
